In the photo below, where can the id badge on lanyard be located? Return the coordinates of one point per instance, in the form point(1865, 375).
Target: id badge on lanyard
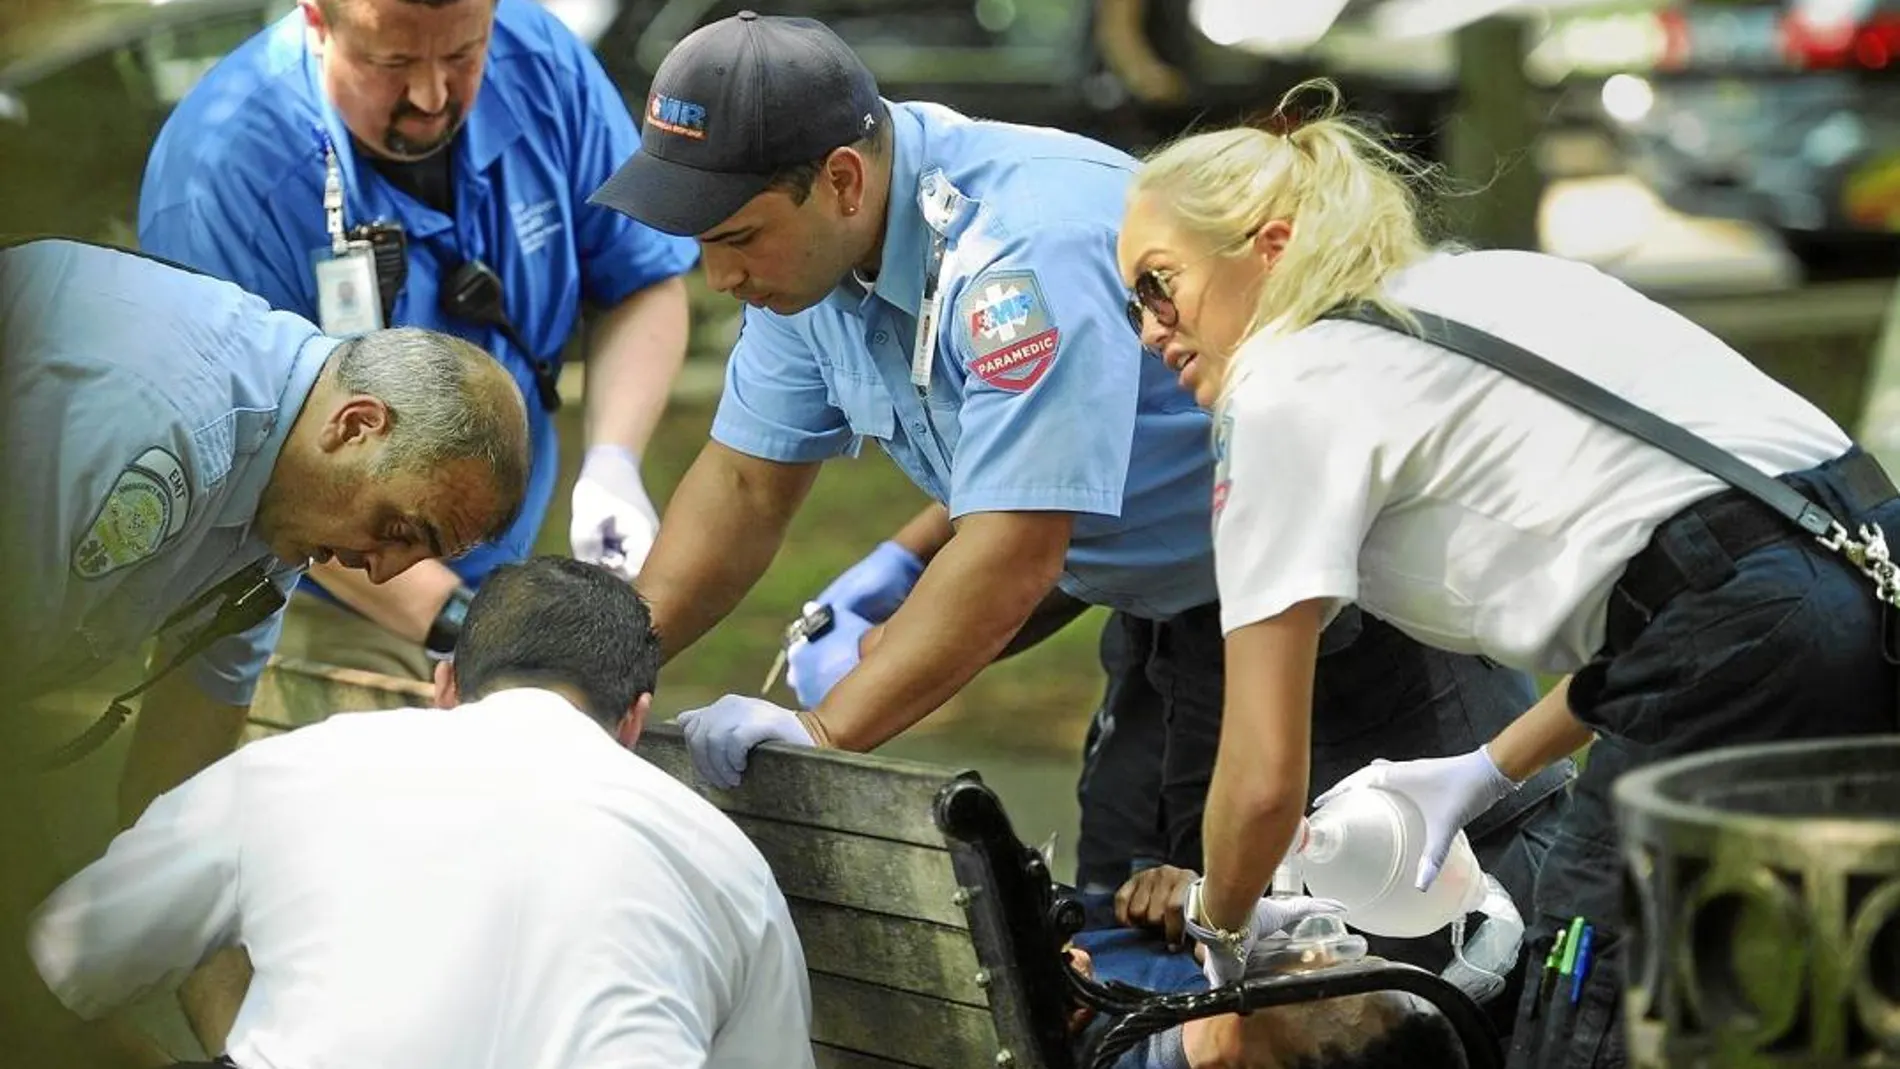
point(938, 201)
point(348, 301)
point(923, 350)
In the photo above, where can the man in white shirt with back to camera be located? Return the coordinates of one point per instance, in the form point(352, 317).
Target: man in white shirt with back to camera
point(494, 884)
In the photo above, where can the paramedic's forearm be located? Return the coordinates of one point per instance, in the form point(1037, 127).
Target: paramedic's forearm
point(1545, 733)
point(405, 606)
point(972, 598)
point(926, 533)
point(634, 353)
point(1057, 611)
point(723, 525)
point(1260, 776)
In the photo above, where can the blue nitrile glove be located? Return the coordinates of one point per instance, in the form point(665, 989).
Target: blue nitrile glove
point(1225, 961)
point(814, 666)
point(720, 735)
point(1450, 792)
point(875, 586)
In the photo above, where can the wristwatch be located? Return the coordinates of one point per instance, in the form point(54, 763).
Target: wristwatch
point(447, 626)
point(1231, 940)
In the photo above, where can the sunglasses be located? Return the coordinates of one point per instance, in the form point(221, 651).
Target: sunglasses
point(1153, 297)
point(1154, 289)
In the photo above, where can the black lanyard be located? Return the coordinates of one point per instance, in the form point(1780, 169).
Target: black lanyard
point(245, 599)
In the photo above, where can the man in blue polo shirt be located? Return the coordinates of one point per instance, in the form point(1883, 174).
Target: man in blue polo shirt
point(948, 287)
point(458, 140)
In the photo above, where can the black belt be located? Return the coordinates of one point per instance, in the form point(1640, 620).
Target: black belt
point(1740, 524)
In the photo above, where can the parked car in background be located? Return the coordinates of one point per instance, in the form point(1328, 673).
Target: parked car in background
point(1782, 114)
point(1023, 60)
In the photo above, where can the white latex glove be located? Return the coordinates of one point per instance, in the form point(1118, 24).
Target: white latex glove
point(614, 522)
point(1450, 792)
point(720, 735)
point(1224, 964)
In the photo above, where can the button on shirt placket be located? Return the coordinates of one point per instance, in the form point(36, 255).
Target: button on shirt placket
point(887, 340)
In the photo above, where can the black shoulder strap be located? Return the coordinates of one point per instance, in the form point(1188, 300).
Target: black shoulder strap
point(1593, 400)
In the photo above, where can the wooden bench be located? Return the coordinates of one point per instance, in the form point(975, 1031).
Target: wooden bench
point(293, 691)
point(933, 935)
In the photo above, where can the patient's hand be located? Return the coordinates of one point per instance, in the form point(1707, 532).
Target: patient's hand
point(1155, 898)
point(1080, 961)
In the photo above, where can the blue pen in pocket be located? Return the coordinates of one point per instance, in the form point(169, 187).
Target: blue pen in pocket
point(1583, 964)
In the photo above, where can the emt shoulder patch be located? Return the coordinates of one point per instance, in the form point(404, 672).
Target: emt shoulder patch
point(1011, 335)
point(145, 508)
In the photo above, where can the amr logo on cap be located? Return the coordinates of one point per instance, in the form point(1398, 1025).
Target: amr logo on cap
point(675, 116)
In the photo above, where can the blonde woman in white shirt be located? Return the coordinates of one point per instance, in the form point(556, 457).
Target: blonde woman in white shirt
point(1361, 464)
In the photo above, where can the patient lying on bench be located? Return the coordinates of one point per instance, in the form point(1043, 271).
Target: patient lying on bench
point(1350, 1032)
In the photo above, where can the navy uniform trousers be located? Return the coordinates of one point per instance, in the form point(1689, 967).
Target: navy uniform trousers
point(1731, 627)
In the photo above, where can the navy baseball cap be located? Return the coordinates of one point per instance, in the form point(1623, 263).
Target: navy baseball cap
point(730, 106)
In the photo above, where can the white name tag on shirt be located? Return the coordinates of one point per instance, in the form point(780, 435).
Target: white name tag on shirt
point(347, 301)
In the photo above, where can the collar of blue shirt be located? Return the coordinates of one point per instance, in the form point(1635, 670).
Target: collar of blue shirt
point(247, 489)
point(900, 277)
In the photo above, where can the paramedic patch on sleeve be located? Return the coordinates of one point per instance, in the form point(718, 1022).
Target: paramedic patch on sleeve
point(1223, 440)
point(1010, 333)
point(146, 507)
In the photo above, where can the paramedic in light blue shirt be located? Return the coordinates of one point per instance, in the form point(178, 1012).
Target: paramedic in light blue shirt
point(475, 128)
point(1076, 471)
point(166, 431)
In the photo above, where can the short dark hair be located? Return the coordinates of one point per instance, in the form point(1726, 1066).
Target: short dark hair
point(796, 180)
point(554, 620)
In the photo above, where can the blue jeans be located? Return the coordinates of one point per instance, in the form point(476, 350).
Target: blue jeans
point(1141, 958)
point(1782, 643)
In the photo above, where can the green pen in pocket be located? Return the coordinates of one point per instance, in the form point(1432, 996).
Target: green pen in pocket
point(1548, 978)
point(1574, 937)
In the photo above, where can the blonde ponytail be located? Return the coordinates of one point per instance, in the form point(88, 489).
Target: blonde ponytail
point(1347, 195)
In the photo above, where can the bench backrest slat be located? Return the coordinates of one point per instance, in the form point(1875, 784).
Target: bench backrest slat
point(830, 1057)
point(925, 1032)
point(853, 841)
point(294, 691)
point(850, 870)
point(909, 955)
point(874, 796)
